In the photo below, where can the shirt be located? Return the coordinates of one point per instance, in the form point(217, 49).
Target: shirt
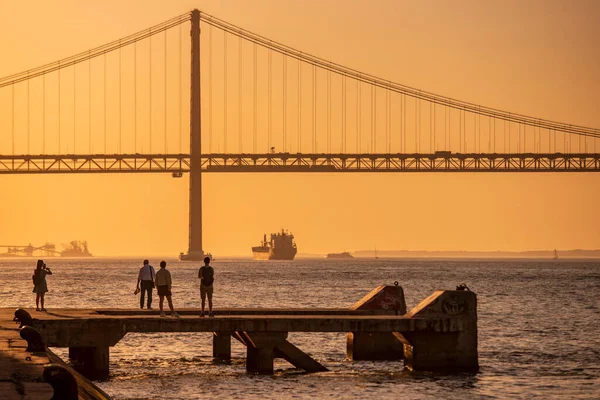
point(163, 278)
point(146, 273)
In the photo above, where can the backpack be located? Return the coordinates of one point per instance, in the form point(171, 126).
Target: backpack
point(208, 276)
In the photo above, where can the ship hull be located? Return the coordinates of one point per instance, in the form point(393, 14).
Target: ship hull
point(266, 253)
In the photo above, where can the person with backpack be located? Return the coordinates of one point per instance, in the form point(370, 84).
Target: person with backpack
point(207, 277)
point(40, 287)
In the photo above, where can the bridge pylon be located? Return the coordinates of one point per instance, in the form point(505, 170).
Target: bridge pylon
point(195, 250)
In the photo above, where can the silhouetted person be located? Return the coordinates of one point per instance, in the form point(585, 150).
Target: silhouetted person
point(163, 287)
point(207, 277)
point(146, 277)
point(40, 287)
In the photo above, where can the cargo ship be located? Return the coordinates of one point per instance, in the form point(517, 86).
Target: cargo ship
point(76, 249)
point(281, 246)
point(345, 254)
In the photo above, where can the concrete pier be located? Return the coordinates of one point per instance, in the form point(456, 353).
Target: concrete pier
point(440, 334)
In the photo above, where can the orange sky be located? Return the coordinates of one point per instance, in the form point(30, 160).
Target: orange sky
point(538, 58)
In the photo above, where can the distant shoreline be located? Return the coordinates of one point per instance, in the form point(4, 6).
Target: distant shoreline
point(531, 254)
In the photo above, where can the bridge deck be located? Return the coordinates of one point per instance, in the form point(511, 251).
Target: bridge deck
point(178, 164)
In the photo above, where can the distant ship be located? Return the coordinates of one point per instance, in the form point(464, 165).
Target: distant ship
point(345, 254)
point(76, 249)
point(195, 257)
point(281, 246)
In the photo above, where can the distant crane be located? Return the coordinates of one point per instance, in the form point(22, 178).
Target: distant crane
point(48, 249)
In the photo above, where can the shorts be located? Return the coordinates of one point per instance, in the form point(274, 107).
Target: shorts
point(206, 290)
point(164, 290)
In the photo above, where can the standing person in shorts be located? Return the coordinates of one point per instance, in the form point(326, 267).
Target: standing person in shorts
point(146, 279)
point(207, 277)
point(163, 286)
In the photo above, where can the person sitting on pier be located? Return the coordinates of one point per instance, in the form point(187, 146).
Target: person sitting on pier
point(163, 287)
point(146, 277)
point(207, 277)
point(40, 287)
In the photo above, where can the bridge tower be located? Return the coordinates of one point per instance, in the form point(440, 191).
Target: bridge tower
point(195, 251)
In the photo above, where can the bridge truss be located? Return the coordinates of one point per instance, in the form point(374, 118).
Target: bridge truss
point(177, 164)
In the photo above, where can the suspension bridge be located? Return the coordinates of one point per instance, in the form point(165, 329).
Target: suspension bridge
point(251, 104)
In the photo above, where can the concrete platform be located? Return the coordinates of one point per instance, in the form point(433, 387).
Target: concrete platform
point(438, 334)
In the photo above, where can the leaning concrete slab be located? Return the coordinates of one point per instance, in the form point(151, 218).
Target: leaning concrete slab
point(374, 346)
point(451, 344)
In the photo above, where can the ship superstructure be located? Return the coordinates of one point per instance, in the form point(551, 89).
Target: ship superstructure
point(280, 246)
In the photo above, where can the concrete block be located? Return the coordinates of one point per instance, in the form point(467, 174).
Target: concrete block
point(445, 349)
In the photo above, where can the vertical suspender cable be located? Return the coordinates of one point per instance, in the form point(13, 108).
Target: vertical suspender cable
point(386, 119)
point(284, 103)
point(434, 127)
point(120, 102)
point(431, 127)
point(44, 113)
point(12, 126)
point(255, 102)
point(344, 127)
point(89, 105)
point(210, 107)
point(390, 122)
point(165, 91)
point(509, 134)
point(417, 124)
point(150, 93)
point(372, 130)
point(74, 107)
point(240, 54)
point(358, 114)
point(59, 108)
point(460, 129)
point(28, 122)
point(328, 83)
point(374, 89)
point(224, 91)
point(179, 91)
point(299, 106)
point(314, 111)
point(404, 119)
point(489, 134)
point(135, 97)
point(105, 104)
point(269, 97)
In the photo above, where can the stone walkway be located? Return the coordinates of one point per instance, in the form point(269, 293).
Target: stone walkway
point(20, 370)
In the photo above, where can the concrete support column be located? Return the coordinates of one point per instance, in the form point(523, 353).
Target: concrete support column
point(261, 350)
point(373, 346)
point(260, 360)
point(222, 346)
point(91, 362)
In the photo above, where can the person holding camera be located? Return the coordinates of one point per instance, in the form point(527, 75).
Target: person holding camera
point(40, 287)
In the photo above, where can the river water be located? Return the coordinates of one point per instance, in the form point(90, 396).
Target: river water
point(539, 326)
